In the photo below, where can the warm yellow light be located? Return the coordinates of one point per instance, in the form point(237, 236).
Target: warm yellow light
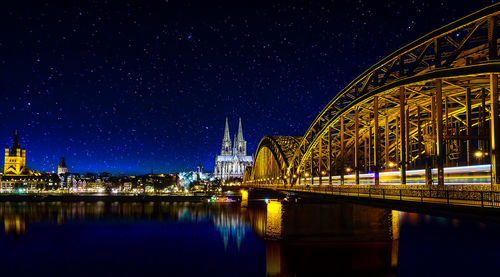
point(391, 164)
point(306, 174)
point(478, 154)
point(294, 176)
point(323, 172)
point(348, 169)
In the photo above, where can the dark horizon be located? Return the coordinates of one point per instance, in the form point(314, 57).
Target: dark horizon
point(127, 87)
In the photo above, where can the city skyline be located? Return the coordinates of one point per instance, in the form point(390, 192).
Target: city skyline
point(126, 88)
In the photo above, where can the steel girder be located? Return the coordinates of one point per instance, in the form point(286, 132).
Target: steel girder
point(273, 150)
point(465, 48)
point(388, 116)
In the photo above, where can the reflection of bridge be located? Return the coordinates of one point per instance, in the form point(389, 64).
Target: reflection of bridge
point(341, 238)
point(425, 115)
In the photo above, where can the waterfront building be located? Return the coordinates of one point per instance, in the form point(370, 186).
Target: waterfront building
point(187, 177)
point(232, 161)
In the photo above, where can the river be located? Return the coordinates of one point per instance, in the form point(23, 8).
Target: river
point(217, 239)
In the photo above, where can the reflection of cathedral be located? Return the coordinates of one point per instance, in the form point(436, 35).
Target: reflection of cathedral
point(231, 162)
point(230, 225)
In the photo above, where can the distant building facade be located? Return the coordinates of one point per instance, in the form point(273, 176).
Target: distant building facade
point(233, 158)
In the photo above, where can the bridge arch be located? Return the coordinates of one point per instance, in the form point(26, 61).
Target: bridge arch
point(272, 158)
point(431, 104)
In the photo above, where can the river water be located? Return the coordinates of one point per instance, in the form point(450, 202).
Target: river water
point(215, 239)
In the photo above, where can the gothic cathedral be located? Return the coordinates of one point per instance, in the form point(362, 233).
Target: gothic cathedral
point(233, 159)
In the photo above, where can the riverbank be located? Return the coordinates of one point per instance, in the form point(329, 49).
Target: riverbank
point(103, 198)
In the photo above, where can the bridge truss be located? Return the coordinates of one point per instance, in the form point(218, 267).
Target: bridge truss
point(431, 105)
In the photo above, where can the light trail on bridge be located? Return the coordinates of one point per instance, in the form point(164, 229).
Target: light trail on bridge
point(460, 175)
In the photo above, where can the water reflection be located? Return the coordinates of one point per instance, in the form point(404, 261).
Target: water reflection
point(226, 219)
point(294, 239)
point(14, 224)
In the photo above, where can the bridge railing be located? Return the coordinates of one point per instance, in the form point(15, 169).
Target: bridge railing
point(476, 198)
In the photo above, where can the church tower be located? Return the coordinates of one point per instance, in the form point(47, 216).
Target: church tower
point(15, 159)
point(240, 144)
point(62, 168)
point(226, 142)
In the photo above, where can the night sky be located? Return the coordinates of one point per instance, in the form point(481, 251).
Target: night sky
point(123, 86)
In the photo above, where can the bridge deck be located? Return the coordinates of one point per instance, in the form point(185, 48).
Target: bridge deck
point(472, 198)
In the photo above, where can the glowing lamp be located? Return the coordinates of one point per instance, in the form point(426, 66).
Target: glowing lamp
point(478, 154)
point(348, 169)
point(391, 164)
point(323, 172)
point(306, 174)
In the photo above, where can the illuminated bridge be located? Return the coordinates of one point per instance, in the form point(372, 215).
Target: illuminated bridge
point(422, 122)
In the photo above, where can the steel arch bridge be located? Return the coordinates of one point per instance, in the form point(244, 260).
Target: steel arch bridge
point(425, 114)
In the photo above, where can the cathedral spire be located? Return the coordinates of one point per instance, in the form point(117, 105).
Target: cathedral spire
point(240, 131)
point(226, 132)
point(226, 142)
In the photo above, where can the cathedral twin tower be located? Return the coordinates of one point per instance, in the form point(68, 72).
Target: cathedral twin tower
point(233, 159)
point(240, 145)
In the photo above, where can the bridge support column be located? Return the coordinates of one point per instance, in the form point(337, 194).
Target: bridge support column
point(495, 131)
point(320, 160)
point(468, 121)
point(356, 144)
point(311, 169)
point(431, 149)
point(407, 145)
point(342, 151)
point(419, 133)
point(376, 141)
point(440, 155)
point(482, 120)
point(386, 142)
point(402, 134)
point(330, 156)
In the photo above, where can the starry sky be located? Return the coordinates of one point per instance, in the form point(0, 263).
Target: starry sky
point(127, 86)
